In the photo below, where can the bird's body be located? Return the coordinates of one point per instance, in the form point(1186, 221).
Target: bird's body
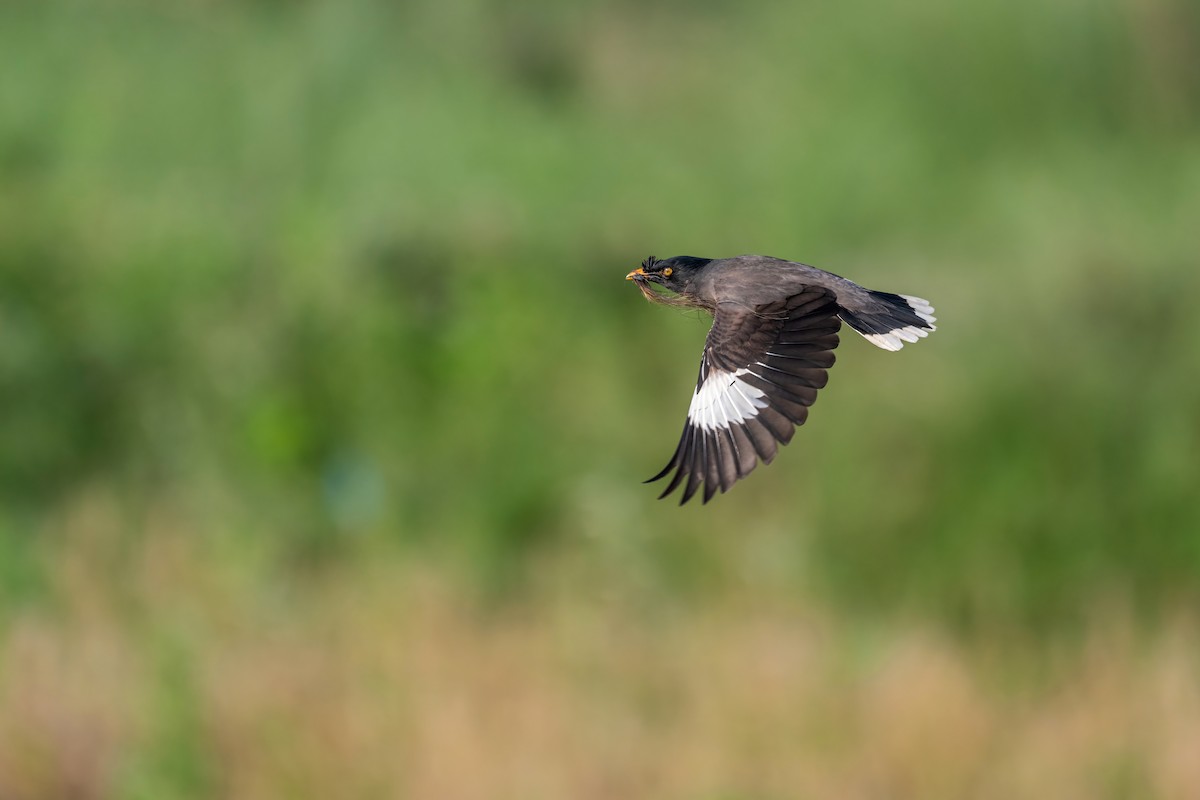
point(775, 326)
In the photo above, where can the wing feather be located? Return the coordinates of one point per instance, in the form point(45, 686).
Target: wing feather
point(759, 373)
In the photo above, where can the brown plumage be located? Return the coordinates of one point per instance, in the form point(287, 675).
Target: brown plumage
point(775, 327)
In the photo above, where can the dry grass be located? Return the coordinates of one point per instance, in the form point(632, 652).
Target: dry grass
point(164, 671)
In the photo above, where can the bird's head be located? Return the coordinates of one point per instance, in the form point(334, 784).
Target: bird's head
point(674, 274)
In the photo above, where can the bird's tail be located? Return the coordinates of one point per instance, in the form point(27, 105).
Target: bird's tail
point(889, 320)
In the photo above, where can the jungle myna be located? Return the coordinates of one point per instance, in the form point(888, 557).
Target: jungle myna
point(775, 327)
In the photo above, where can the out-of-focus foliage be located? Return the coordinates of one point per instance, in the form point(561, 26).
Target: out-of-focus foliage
point(336, 270)
point(313, 333)
point(326, 271)
point(194, 678)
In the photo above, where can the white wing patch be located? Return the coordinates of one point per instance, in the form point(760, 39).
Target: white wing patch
point(725, 399)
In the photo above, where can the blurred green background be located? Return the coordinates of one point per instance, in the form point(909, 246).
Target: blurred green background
point(316, 359)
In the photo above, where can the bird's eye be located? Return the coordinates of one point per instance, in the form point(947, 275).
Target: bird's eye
point(667, 272)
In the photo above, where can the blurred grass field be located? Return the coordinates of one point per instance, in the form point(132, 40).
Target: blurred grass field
point(324, 405)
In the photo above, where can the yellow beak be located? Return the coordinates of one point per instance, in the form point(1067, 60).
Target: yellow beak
point(635, 273)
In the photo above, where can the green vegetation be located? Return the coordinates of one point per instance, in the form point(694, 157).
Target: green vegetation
point(330, 293)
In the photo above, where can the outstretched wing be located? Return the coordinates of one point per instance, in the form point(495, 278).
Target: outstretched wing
point(760, 372)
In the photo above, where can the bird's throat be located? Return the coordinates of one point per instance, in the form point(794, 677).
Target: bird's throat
point(665, 297)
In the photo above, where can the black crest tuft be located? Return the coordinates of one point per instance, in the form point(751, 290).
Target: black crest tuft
point(649, 263)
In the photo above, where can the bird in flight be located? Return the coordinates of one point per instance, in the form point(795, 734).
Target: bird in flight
point(775, 327)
